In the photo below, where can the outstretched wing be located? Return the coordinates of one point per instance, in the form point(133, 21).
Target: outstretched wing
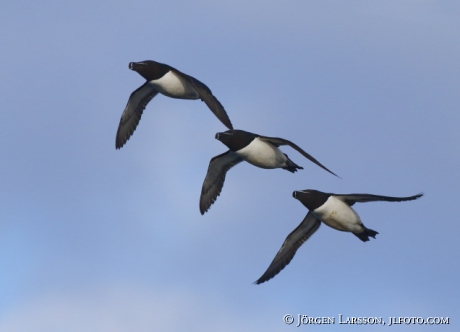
point(281, 141)
point(133, 112)
point(215, 178)
point(214, 105)
point(351, 199)
point(294, 240)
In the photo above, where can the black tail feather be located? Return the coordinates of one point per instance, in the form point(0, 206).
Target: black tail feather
point(364, 236)
point(291, 166)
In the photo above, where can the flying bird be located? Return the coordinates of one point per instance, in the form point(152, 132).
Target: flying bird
point(170, 82)
point(332, 209)
point(260, 151)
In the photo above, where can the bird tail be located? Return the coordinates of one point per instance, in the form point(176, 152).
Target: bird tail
point(364, 236)
point(290, 165)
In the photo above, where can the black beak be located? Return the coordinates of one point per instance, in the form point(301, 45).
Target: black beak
point(294, 194)
point(217, 135)
point(135, 65)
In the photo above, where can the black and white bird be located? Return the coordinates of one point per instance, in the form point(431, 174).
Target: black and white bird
point(332, 209)
point(170, 82)
point(260, 151)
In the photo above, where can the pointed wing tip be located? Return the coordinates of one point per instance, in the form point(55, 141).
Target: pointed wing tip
point(258, 281)
point(204, 207)
point(119, 143)
point(412, 198)
point(211, 101)
point(302, 152)
point(264, 278)
point(329, 171)
point(224, 120)
point(223, 117)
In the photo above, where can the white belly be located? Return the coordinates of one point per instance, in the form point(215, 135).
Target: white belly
point(174, 86)
point(262, 154)
point(340, 216)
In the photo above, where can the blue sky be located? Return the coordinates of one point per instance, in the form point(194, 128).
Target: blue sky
point(95, 239)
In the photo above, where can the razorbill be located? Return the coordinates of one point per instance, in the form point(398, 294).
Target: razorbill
point(260, 151)
point(332, 209)
point(170, 82)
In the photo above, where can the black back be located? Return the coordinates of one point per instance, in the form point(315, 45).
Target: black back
point(311, 199)
point(235, 139)
point(150, 70)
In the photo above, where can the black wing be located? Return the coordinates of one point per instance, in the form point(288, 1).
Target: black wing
point(215, 178)
point(133, 112)
point(214, 105)
point(294, 240)
point(351, 199)
point(281, 141)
